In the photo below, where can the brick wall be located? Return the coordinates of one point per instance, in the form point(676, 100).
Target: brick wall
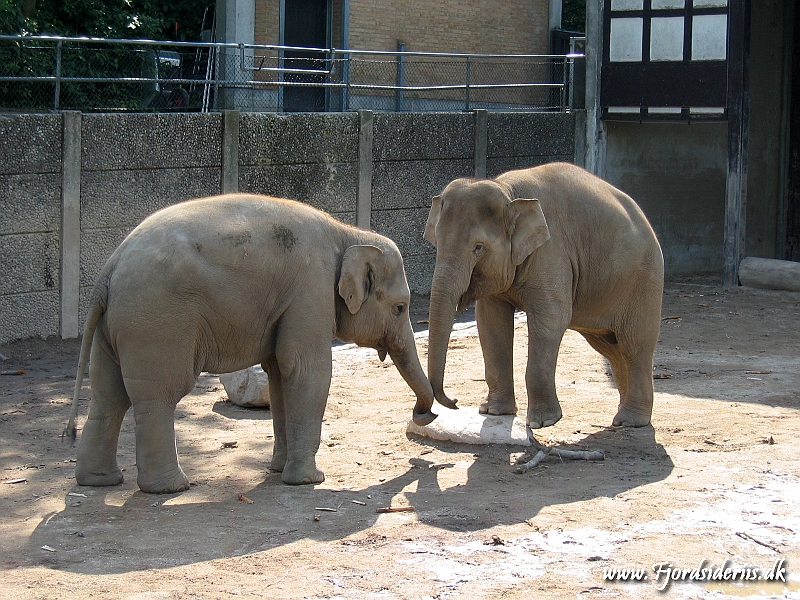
point(478, 26)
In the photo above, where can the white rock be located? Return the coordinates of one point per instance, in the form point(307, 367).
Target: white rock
point(467, 426)
point(248, 387)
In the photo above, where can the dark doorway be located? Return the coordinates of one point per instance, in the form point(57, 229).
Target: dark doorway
point(793, 170)
point(305, 26)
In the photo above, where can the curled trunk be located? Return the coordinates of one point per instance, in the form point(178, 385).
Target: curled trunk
point(405, 358)
point(448, 286)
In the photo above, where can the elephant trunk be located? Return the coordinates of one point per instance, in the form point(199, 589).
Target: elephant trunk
point(449, 285)
point(405, 358)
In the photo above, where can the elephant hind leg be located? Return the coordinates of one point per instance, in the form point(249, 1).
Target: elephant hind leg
point(154, 399)
point(633, 374)
point(97, 451)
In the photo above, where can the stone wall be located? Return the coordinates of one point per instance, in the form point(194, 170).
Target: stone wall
point(73, 185)
point(30, 191)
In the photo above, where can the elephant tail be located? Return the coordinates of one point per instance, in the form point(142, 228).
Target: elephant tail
point(98, 307)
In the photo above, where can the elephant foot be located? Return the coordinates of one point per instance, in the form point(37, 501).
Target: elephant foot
point(302, 474)
point(169, 483)
point(86, 476)
point(628, 417)
point(278, 462)
point(544, 418)
point(498, 407)
point(423, 419)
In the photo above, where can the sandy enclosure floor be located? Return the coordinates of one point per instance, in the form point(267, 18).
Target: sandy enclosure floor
point(715, 480)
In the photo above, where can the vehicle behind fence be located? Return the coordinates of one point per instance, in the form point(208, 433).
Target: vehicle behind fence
point(43, 73)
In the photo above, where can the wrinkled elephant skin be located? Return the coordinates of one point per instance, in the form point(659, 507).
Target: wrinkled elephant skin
point(220, 284)
point(571, 251)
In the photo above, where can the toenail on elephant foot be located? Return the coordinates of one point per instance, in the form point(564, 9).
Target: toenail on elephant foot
point(168, 484)
point(423, 419)
point(629, 418)
point(498, 408)
point(543, 419)
point(301, 476)
point(277, 464)
point(88, 477)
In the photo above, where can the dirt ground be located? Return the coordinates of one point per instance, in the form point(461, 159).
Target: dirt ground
point(715, 480)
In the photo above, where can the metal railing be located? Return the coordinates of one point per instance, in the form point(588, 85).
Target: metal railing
point(43, 73)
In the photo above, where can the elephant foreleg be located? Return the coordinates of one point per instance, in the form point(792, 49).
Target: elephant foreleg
point(495, 319)
point(305, 370)
point(545, 332)
point(97, 451)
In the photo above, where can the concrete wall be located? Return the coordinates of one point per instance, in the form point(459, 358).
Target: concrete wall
point(30, 195)
point(676, 173)
point(73, 186)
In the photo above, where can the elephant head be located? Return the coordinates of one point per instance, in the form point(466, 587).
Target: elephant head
point(481, 234)
point(373, 311)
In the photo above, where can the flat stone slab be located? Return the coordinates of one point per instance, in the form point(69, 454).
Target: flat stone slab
point(468, 426)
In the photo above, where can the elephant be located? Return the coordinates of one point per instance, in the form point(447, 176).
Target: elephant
point(219, 284)
point(572, 252)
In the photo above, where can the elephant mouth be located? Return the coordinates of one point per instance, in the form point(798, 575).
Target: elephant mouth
point(465, 301)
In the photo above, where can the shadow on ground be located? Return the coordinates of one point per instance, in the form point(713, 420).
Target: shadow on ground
point(155, 532)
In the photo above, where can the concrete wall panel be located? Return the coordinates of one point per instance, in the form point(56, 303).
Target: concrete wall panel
point(144, 141)
point(126, 198)
point(133, 165)
point(30, 262)
point(537, 134)
point(423, 136)
point(30, 202)
point(271, 139)
point(410, 184)
point(327, 186)
point(31, 144)
point(676, 173)
point(29, 315)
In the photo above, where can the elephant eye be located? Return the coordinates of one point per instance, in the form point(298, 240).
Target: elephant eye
point(478, 247)
point(398, 309)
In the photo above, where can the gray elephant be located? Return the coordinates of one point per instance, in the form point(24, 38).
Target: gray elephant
point(571, 251)
point(219, 284)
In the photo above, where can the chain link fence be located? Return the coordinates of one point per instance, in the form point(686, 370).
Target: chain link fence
point(42, 73)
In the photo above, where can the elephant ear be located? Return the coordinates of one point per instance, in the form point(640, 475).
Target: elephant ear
point(358, 274)
point(433, 220)
point(528, 228)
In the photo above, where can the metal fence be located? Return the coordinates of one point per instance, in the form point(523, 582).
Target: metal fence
point(43, 73)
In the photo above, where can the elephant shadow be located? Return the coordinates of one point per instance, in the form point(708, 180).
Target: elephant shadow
point(121, 529)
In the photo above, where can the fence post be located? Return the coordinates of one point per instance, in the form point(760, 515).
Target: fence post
point(57, 90)
point(401, 78)
point(230, 151)
point(346, 89)
point(481, 142)
point(364, 191)
point(70, 243)
point(466, 91)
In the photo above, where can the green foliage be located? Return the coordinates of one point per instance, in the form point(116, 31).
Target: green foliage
point(152, 19)
point(11, 18)
point(573, 15)
point(127, 19)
